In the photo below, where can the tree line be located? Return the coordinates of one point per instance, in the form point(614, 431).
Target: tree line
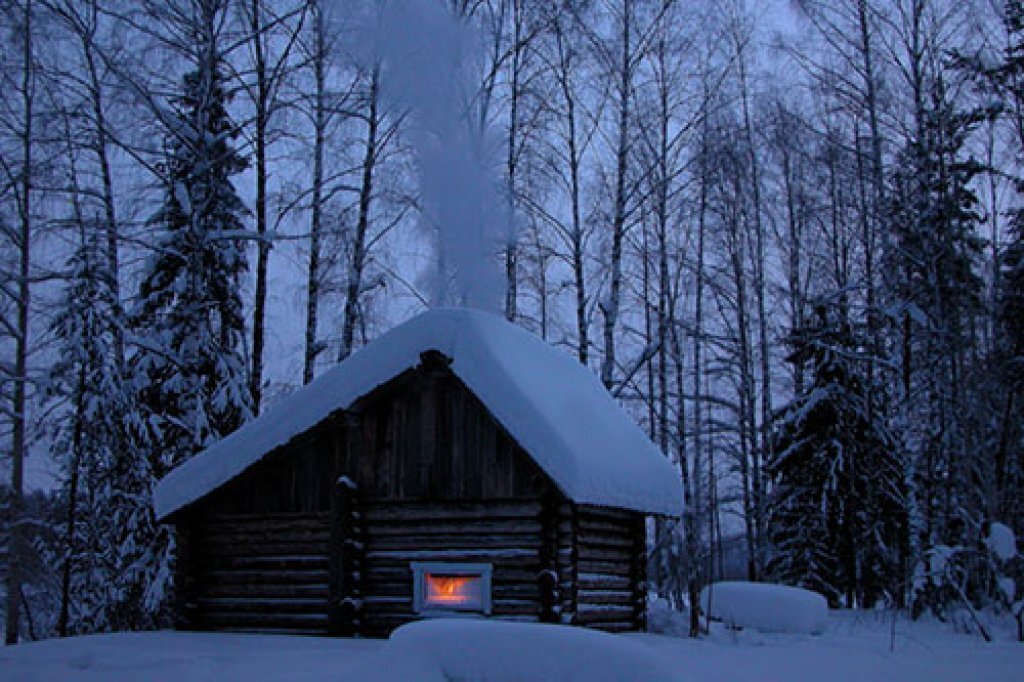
point(789, 242)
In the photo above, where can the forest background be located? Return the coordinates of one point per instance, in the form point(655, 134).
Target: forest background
point(786, 236)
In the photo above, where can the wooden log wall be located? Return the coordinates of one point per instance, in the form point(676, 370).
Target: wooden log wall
point(320, 535)
point(504, 533)
point(610, 574)
point(258, 572)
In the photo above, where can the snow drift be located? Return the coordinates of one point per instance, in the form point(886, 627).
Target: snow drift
point(469, 649)
point(769, 608)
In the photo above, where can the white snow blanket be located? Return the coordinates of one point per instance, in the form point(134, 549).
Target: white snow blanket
point(855, 648)
point(555, 408)
point(468, 649)
point(764, 607)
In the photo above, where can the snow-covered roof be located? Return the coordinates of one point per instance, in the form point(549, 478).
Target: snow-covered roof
point(555, 408)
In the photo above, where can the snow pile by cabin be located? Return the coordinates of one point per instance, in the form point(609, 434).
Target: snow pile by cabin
point(457, 465)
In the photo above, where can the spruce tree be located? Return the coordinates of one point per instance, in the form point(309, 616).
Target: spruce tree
point(189, 322)
point(85, 376)
point(931, 257)
point(189, 370)
point(105, 555)
point(836, 510)
point(1009, 78)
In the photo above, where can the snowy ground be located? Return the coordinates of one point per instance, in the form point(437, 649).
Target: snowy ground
point(855, 647)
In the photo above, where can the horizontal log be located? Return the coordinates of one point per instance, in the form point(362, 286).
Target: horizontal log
point(261, 605)
point(584, 512)
point(601, 581)
point(265, 563)
point(606, 597)
point(592, 553)
point(375, 624)
point(398, 511)
point(301, 534)
point(455, 526)
point(374, 604)
point(390, 589)
point(270, 576)
point(616, 626)
point(620, 568)
point(267, 521)
point(375, 573)
point(285, 621)
point(625, 544)
point(495, 556)
point(453, 542)
point(594, 526)
point(515, 607)
point(260, 590)
point(203, 549)
point(528, 592)
point(587, 614)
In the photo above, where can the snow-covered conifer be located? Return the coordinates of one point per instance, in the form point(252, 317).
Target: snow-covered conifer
point(189, 321)
point(836, 514)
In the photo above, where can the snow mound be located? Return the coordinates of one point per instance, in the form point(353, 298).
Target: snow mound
point(555, 408)
point(464, 650)
point(1000, 541)
point(769, 608)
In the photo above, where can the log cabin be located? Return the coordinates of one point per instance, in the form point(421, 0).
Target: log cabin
point(456, 466)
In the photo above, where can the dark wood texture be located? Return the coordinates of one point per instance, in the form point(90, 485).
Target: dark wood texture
point(319, 535)
point(256, 572)
point(610, 583)
point(425, 436)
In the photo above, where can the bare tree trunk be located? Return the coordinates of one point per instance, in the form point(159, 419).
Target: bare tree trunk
point(355, 273)
point(764, 450)
point(511, 247)
point(312, 346)
point(576, 233)
point(610, 306)
point(18, 549)
point(269, 70)
point(86, 31)
point(262, 102)
point(746, 408)
point(69, 544)
point(67, 567)
point(878, 185)
point(698, 368)
point(794, 219)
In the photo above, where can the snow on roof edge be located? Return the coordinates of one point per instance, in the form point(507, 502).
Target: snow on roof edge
point(553, 407)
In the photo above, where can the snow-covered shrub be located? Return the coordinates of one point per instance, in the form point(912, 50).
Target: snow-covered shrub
point(765, 607)
point(464, 649)
point(1008, 567)
point(958, 582)
point(663, 619)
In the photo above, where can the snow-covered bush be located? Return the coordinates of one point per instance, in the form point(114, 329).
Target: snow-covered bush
point(464, 649)
point(664, 619)
point(765, 607)
point(1008, 567)
point(958, 581)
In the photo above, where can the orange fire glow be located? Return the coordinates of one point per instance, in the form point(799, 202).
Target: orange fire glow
point(450, 590)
